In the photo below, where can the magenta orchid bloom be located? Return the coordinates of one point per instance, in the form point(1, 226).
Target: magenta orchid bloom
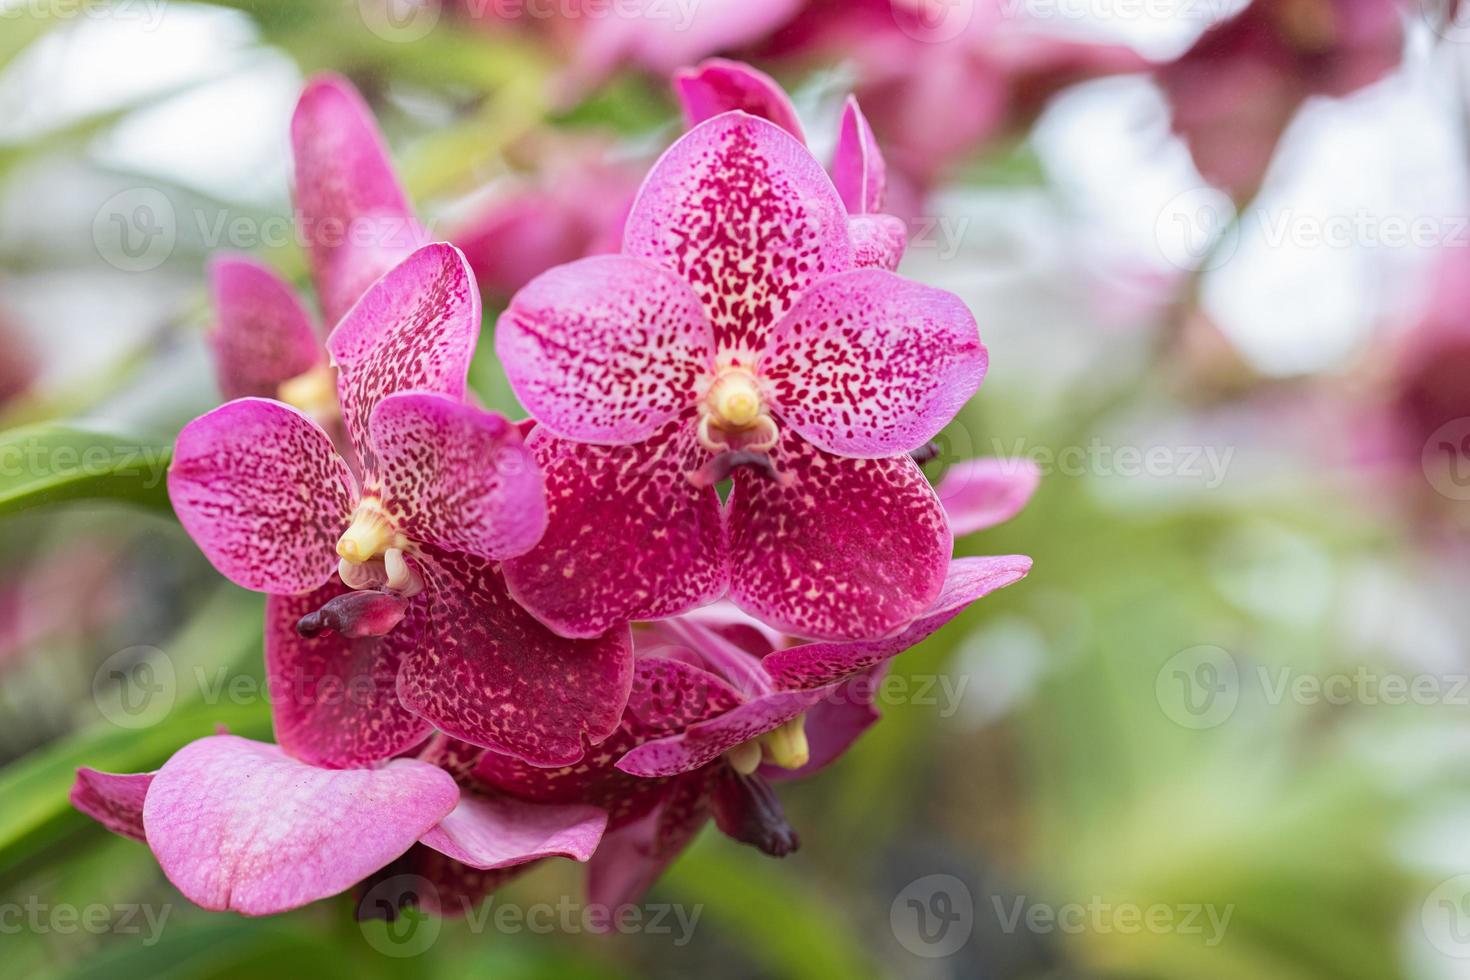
point(242, 826)
point(735, 334)
point(446, 491)
point(356, 223)
point(858, 170)
point(1236, 90)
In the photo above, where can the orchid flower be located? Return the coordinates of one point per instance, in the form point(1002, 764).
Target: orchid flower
point(447, 491)
point(356, 223)
point(1235, 91)
point(858, 170)
point(243, 826)
point(734, 336)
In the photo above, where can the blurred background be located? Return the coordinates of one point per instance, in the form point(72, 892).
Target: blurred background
point(1220, 253)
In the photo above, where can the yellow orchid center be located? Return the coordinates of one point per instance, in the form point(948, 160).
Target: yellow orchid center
point(735, 399)
point(314, 392)
point(785, 746)
point(370, 535)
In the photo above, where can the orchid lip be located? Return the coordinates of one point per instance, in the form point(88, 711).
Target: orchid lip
point(314, 392)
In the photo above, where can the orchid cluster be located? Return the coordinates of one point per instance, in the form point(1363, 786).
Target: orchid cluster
point(587, 633)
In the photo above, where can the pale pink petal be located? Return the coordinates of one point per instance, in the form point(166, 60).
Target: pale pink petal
point(858, 170)
point(263, 336)
point(981, 493)
point(969, 579)
point(414, 330)
point(740, 209)
point(260, 489)
point(240, 825)
point(334, 700)
point(355, 218)
point(848, 549)
point(629, 538)
point(718, 85)
point(492, 832)
point(115, 800)
point(870, 364)
point(704, 742)
point(490, 674)
point(878, 240)
point(458, 477)
point(606, 349)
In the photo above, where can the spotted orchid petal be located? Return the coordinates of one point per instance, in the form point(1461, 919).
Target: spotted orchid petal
point(458, 477)
point(491, 832)
point(115, 800)
point(629, 536)
point(335, 699)
point(606, 349)
point(841, 549)
point(969, 579)
point(981, 493)
point(414, 330)
point(858, 170)
point(490, 674)
point(263, 335)
point(833, 724)
point(633, 857)
point(742, 211)
point(878, 241)
point(718, 85)
point(704, 742)
point(356, 220)
point(240, 825)
point(870, 364)
point(667, 697)
point(263, 493)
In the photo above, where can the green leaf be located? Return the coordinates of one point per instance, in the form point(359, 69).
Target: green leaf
point(49, 463)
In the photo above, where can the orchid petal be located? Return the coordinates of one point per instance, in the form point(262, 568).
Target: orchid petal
point(633, 857)
point(115, 800)
point(241, 825)
point(458, 477)
point(264, 336)
point(607, 349)
point(816, 664)
point(431, 882)
point(834, 723)
point(489, 832)
point(260, 489)
point(335, 699)
point(981, 493)
point(878, 240)
point(356, 219)
point(414, 330)
point(629, 536)
point(741, 210)
point(718, 85)
point(869, 364)
point(704, 742)
point(490, 674)
point(848, 549)
point(858, 170)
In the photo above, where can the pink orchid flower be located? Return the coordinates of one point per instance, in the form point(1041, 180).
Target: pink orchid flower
point(735, 333)
point(858, 170)
point(1236, 90)
point(242, 826)
point(446, 491)
point(356, 223)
